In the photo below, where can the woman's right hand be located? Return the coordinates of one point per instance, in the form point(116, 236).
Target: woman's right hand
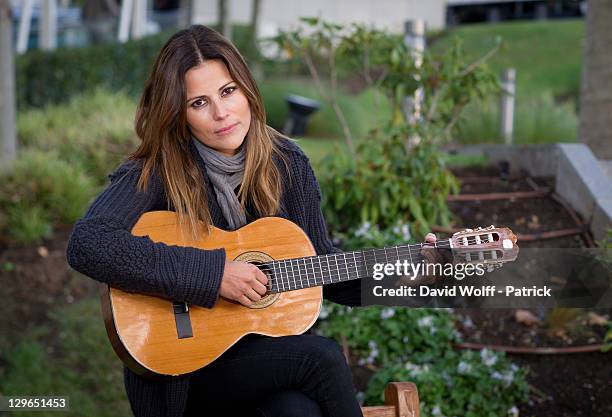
point(243, 282)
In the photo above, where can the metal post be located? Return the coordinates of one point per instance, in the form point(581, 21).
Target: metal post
point(8, 129)
point(125, 17)
point(139, 19)
point(186, 15)
point(506, 105)
point(24, 26)
point(48, 29)
point(414, 37)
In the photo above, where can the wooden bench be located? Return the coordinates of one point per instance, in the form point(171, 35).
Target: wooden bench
point(401, 400)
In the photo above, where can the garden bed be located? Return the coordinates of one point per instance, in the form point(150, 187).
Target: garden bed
point(577, 384)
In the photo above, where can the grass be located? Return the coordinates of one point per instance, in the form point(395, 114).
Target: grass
point(536, 120)
point(547, 55)
point(358, 109)
point(68, 356)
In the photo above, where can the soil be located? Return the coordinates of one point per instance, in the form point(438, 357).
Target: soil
point(578, 384)
point(40, 279)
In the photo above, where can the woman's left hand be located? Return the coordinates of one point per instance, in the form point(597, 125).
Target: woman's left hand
point(433, 254)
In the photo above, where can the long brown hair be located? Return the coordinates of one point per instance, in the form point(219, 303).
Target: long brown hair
point(161, 124)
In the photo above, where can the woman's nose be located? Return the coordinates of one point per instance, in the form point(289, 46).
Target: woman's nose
point(219, 110)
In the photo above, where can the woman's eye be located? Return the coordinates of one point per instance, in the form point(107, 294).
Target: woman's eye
point(198, 103)
point(229, 90)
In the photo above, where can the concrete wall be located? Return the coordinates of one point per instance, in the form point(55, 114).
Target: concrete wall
point(389, 14)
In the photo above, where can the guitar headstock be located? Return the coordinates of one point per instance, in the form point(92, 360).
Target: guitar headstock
point(490, 246)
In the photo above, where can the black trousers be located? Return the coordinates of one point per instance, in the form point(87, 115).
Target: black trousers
point(291, 376)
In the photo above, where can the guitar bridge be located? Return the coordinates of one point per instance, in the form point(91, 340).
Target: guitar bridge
point(182, 320)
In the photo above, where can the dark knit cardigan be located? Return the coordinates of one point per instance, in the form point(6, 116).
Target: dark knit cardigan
point(102, 247)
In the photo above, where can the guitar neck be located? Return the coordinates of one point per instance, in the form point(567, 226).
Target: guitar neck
point(313, 271)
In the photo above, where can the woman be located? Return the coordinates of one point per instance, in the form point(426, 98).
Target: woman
point(208, 154)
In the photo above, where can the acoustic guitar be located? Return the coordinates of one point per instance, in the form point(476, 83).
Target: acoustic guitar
point(159, 337)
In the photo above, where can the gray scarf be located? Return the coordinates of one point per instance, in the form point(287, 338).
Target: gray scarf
point(226, 173)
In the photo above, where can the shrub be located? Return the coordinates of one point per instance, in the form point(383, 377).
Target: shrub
point(389, 184)
point(51, 77)
point(94, 130)
point(465, 383)
point(370, 235)
point(40, 190)
point(45, 77)
point(416, 345)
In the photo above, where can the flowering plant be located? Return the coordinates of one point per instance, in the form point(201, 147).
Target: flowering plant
point(402, 344)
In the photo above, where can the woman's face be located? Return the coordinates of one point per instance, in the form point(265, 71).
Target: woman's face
point(218, 112)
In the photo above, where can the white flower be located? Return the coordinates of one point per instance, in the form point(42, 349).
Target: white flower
point(363, 229)
point(387, 313)
point(425, 321)
point(435, 411)
point(416, 370)
point(446, 377)
point(488, 357)
point(405, 339)
point(406, 232)
point(373, 352)
point(467, 322)
point(513, 412)
point(508, 377)
point(324, 313)
point(464, 368)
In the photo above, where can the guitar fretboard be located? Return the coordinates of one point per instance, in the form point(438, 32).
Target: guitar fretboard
point(313, 271)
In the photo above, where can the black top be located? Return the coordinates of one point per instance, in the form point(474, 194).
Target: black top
point(102, 247)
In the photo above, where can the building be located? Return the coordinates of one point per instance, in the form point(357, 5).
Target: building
point(284, 14)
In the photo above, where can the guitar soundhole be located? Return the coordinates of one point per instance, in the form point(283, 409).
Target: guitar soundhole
point(258, 258)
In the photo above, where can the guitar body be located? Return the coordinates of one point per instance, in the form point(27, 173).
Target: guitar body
point(143, 331)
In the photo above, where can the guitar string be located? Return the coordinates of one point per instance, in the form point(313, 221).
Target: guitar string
point(418, 246)
point(353, 263)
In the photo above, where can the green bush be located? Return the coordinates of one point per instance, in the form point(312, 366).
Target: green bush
point(39, 191)
point(417, 345)
point(370, 235)
point(48, 77)
point(465, 383)
point(94, 130)
point(45, 77)
point(389, 184)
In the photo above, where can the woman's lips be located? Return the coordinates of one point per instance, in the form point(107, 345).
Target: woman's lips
point(226, 130)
